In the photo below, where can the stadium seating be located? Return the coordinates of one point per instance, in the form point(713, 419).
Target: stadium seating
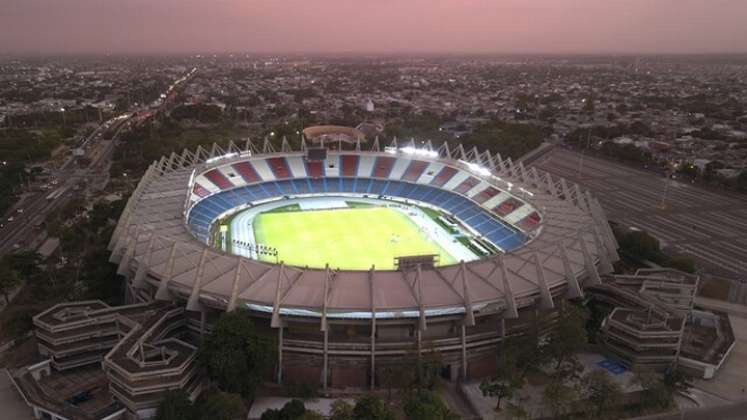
point(414, 170)
point(467, 185)
point(443, 176)
point(507, 207)
point(246, 170)
point(315, 169)
point(217, 178)
point(279, 167)
point(205, 211)
point(486, 195)
point(349, 165)
point(383, 166)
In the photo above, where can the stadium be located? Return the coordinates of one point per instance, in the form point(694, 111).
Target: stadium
point(356, 261)
point(354, 254)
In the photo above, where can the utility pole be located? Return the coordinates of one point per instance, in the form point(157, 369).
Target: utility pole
point(663, 204)
point(583, 153)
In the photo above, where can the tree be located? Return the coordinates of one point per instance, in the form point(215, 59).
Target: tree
point(220, 405)
point(742, 181)
point(682, 263)
point(25, 263)
point(656, 393)
point(175, 405)
point(271, 414)
point(371, 407)
point(568, 336)
point(500, 387)
point(341, 410)
point(516, 411)
point(311, 415)
point(398, 376)
point(509, 139)
point(510, 374)
point(603, 393)
point(235, 356)
point(529, 351)
point(429, 366)
point(640, 245)
point(559, 398)
point(20, 322)
point(426, 405)
point(676, 380)
point(9, 280)
point(292, 410)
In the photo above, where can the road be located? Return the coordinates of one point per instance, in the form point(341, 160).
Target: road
point(726, 412)
point(709, 226)
point(19, 232)
point(11, 405)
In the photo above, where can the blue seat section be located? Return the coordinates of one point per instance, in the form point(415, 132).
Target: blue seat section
point(348, 185)
point(207, 210)
point(303, 186)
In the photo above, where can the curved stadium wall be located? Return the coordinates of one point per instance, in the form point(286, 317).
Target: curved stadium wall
point(340, 327)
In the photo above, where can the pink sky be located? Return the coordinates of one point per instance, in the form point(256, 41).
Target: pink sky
point(503, 26)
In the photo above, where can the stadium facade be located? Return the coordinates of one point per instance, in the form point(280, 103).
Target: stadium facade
point(334, 328)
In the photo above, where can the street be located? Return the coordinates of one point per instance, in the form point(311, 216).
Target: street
point(707, 225)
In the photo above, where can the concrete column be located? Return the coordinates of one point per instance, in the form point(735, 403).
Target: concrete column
point(325, 365)
point(464, 352)
point(280, 355)
point(373, 351)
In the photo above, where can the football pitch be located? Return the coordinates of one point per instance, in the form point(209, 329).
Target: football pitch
point(352, 238)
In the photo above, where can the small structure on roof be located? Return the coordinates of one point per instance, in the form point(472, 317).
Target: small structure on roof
point(333, 133)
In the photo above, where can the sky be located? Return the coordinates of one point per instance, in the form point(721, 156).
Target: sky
point(373, 26)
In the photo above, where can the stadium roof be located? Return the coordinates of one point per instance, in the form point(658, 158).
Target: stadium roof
point(152, 241)
point(334, 133)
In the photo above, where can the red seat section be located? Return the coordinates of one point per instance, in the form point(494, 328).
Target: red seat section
point(200, 190)
point(315, 169)
point(217, 178)
point(414, 170)
point(247, 171)
point(486, 194)
point(466, 185)
point(530, 222)
point(382, 167)
point(443, 176)
point(279, 167)
point(349, 165)
point(507, 207)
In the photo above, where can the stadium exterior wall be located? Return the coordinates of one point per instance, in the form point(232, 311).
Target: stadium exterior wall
point(162, 261)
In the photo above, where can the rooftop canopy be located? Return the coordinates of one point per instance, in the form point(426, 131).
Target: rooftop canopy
point(321, 133)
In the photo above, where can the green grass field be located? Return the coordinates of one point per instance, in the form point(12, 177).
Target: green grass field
point(352, 238)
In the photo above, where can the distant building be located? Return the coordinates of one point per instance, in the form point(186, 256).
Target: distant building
point(49, 247)
point(623, 140)
point(701, 164)
point(369, 106)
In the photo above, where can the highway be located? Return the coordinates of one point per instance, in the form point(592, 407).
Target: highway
point(20, 232)
point(708, 225)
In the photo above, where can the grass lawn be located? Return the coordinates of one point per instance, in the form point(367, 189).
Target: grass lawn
point(345, 238)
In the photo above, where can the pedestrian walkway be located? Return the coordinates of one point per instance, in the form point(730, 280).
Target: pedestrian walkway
point(12, 405)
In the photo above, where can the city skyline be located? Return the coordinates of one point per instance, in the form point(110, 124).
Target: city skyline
point(338, 26)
